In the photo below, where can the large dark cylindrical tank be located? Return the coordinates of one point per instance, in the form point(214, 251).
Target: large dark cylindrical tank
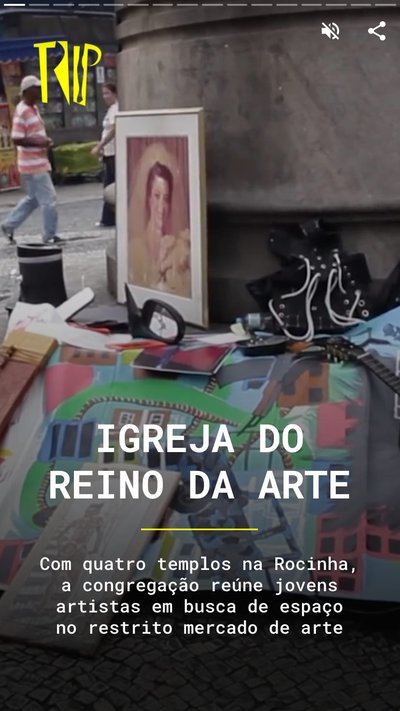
point(296, 124)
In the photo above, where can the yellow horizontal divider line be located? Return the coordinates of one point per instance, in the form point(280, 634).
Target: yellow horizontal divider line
point(199, 529)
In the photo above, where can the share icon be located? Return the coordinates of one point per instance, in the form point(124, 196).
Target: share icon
point(372, 31)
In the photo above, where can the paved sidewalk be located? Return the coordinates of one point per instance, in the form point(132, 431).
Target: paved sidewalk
point(79, 208)
point(69, 192)
point(84, 254)
point(358, 672)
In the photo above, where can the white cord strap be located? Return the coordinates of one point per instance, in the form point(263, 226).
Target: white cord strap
point(310, 285)
point(335, 279)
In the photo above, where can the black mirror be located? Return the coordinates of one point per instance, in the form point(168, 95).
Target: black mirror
point(156, 320)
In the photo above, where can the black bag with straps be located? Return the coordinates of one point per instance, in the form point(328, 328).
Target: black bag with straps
point(320, 289)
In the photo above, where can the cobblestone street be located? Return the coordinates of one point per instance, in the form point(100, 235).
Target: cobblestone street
point(355, 672)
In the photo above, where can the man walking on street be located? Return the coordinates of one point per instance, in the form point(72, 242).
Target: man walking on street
point(29, 135)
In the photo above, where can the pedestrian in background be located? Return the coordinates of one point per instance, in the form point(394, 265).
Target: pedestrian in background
point(105, 149)
point(29, 135)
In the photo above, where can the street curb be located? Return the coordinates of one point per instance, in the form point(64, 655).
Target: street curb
point(66, 236)
point(7, 206)
point(73, 236)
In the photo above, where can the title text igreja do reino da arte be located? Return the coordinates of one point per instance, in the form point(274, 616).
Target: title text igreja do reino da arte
point(135, 484)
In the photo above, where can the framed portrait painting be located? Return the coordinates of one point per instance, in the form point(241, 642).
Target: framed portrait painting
point(161, 209)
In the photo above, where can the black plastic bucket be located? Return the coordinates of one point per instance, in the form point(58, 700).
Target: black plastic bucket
point(41, 269)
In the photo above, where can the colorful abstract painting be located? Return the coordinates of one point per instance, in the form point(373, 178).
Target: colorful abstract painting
point(350, 421)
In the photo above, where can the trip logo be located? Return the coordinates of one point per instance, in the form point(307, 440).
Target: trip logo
point(82, 58)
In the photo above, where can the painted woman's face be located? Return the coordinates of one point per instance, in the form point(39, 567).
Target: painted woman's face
point(159, 202)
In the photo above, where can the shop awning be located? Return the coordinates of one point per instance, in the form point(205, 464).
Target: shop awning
point(21, 49)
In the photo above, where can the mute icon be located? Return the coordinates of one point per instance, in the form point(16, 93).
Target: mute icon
point(330, 30)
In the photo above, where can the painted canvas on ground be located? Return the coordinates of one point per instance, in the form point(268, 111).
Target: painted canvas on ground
point(161, 208)
point(190, 357)
point(350, 421)
point(80, 530)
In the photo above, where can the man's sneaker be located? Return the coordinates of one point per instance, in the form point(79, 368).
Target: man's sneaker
point(8, 233)
point(53, 240)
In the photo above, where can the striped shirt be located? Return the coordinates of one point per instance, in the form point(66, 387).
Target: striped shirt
point(27, 122)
